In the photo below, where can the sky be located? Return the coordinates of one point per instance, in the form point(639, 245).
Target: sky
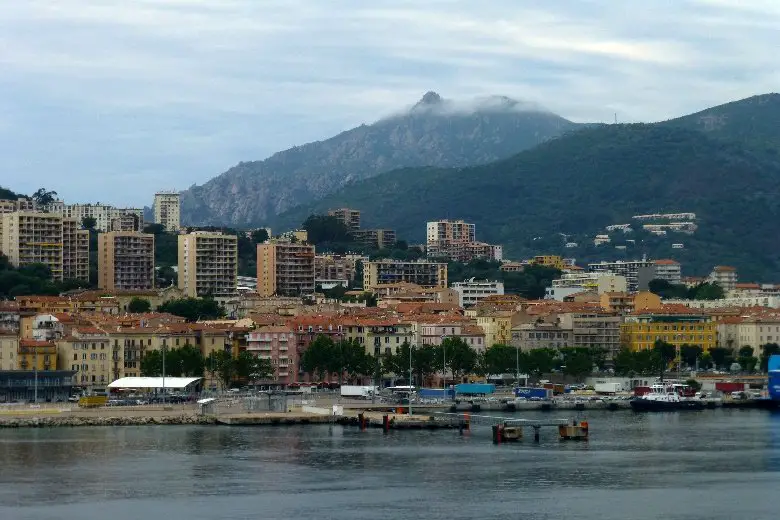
point(111, 100)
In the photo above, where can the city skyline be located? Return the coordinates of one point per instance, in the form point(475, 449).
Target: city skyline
point(118, 97)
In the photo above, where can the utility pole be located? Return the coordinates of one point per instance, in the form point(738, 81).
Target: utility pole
point(164, 348)
point(35, 371)
point(411, 383)
point(376, 368)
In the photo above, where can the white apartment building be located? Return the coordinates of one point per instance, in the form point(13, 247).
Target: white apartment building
point(103, 214)
point(630, 269)
point(725, 276)
point(668, 270)
point(742, 301)
point(167, 210)
point(450, 230)
point(31, 237)
point(471, 291)
point(752, 331)
point(572, 283)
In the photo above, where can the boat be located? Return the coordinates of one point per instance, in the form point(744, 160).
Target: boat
point(667, 398)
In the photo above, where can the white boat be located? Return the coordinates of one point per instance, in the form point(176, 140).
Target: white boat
point(667, 397)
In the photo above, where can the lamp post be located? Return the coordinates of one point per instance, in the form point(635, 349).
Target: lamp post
point(517, 364)
point(377, 344)
point(164, 348)
point(35, 372)
point(444, 367)
point(411, 384)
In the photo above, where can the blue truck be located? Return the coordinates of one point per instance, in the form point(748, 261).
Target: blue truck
point(475, 389)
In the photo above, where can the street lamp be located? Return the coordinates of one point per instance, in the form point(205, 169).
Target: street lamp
point(35, 372)
point(411, 384)
point(377, 343)
point(444, 367)
point(164, 348)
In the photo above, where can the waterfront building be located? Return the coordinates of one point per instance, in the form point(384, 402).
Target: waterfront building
point(167, 210)
point(34, 353)
point(208, 264)
point(86, 352)
point(126, 261)
point(388, 271)
point(276, 344)
point(471, 291)
point(19, 385)
point(285, 269)
point(9, 347)
point(641, 330)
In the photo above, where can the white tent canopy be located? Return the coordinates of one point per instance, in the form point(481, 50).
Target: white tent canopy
point(176, 383)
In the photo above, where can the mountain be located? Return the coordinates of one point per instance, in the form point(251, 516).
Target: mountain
point(434, 132)
point(583, 181)
point(753, 122)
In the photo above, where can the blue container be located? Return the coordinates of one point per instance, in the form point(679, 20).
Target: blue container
point(528, 393)
point(774, 377)
point(475, 388)
point(436, 393)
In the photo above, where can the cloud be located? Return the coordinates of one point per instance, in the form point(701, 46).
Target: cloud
point(110, 100)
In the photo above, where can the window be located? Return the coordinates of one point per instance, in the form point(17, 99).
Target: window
point(75, 357)
point(397, 339)
point(177, 342)
point(93, 346)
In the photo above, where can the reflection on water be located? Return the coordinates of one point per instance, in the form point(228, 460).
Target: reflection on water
point(714, 465)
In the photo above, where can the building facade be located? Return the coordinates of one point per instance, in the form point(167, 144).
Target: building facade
point(378, 238)
point(420, 272)
point(208, 264)
point(103, 214)
point(641, 331)
point(668, 270)
point(725, 276)
point(126, 261)
point(276, 344)
point(349, 217)
point(629, 269)
point(167, 210)
point(470, 292)
point(31, 237)
point(285, 269)
point(75, 250)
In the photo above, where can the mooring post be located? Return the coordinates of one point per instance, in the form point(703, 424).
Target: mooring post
point(536, 433)
point(386, 423)
point(362, 421)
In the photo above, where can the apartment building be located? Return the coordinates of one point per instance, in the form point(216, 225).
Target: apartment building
point(554, 261)
point(668, 270)
point(208, 264)
point(472, 291)
point(126, 261)
point(349, 217)
point(336, 268)
point(641, 331)
point(276, 344)
point(31, 237)
point(572, 283)
point(126, 222)
point(103, 214)
point(420, 272)
point(631, 270)
point(285, 269)
point(725, 276)
point(23, 204)
point(378, 238)
point(541, 334)
point(167, 210)
point(75, 250)
point(456, 240)
point(87, 352)
point(9, 348)
point(35, 354)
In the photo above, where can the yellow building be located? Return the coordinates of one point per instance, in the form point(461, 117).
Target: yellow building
point(208, 264)
point(549, 261)
point(9, 349)
point(641, 331)
point(32, 353)
point(87, 352)
point(497, 326)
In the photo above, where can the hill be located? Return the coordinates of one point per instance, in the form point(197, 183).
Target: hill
point(584, 181)
point(434, 132)
point(753, 122)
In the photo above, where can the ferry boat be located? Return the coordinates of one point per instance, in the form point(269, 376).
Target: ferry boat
point(667, 397)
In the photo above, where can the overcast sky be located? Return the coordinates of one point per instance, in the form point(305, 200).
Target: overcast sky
point(110, 100)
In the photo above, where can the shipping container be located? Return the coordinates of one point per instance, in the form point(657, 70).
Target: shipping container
point(358, 391)
point(436, 393)
point(641, 390)
point(475, 389)
point(608, 388)
point(529, 393)
point(728, 387)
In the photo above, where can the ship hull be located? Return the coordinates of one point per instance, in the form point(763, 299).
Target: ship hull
point(646, 405)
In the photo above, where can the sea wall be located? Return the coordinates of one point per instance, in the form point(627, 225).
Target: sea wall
point(65, 421)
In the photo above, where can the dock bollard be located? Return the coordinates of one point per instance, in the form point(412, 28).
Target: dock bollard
point(536, 433)
point(362, 421)
point(467, 421)
point(385, 423)
point(497, 433)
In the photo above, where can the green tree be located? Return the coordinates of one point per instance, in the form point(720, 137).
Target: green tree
point(166, 276)
point(542, 360)
point(461, 358)
point(88, 223)
point(191, 360)
point(139, 305)
point(317, 358)
point(664, 354)
point(504, 359)
point(220, 365)
point(194, 309)
point(625, 363)
point(705, 362)
point(577, 362)
point(251, 368)
point(325, 229)
point(722, 357)
point(746, 351)
point(708, 291)
point(260, 235)
point(154, 229)
point(689, 354)
point(695, 385)
point(748, 363)
point(151, 363)
point(43, 198)
point(768, 350)
point(667, 290)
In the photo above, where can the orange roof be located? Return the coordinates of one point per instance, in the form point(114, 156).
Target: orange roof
point(274, 329)
point(472, 330)
point(88, 330)
point(721, 268)
point(35, 343)
point(748, 286)
point(666, 262)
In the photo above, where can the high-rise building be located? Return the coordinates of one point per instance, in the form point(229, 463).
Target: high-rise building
point(22, 204)
point(285, 269)
point(102, 213)
point(456, 240)
point(167, 210)
point(208, 264)
point(75, 250)
point(125, 261)
point(126, 222)
point(420, 272)
point(349, 217)
point(630, 269)
point(668, 270)
point(379, 238)
point(31, 237)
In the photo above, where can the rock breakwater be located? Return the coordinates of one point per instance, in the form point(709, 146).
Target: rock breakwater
point(74, 421)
